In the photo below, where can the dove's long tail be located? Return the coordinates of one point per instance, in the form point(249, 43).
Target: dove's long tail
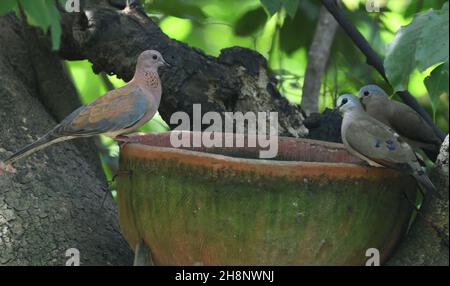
point(426, 183)
point(418, 172)
point(47, 140)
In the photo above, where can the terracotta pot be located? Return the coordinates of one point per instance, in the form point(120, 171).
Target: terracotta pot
point(314, 204)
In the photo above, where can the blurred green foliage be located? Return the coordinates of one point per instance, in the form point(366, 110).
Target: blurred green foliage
point(282, 31)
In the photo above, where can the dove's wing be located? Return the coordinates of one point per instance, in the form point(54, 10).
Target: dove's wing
point(377, 142)
point(410, 124)
point(115, 111)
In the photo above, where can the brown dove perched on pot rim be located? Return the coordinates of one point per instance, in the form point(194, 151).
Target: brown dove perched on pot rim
point(400, 117)
point(118, 112)
point(378, 144)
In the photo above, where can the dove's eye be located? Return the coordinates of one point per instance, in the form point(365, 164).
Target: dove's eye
point(155, 57)
point(366, 93)
point(344, 101)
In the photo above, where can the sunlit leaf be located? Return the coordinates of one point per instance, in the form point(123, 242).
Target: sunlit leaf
point(437, 83)
point(421, 44)
point(433, 46)
point(401, 57)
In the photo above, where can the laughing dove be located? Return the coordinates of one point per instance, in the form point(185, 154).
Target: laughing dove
point(400, 117)
point(376, 143)
point(118, 112)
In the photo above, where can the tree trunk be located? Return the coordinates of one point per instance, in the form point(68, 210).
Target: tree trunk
point(54, 201)
point(318, 55)
point(427, 241)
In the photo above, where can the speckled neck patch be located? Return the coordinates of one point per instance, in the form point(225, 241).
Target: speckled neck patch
point(152, 79)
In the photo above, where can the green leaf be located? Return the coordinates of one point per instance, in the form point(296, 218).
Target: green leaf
point(272, 6)
point(420, 44)
point(37, 13)
point(291, 7)
point(437, 83)
point(55, 30)
point(7, 6)
point(400, 54)
point(44, 14)
point(424, 5)
point(250, 22)
point(433, 46)
point(55, 25)
point(296, 32)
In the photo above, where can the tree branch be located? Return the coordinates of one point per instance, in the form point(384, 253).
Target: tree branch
point(375, 60)
point(318, 55)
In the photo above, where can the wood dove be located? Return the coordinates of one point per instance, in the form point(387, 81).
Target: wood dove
point(376, 143)
point(400, 117)
point(118, 112)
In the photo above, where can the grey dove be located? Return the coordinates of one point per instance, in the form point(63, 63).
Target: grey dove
point(378, 144)
point(118, 112)
point(400, 117)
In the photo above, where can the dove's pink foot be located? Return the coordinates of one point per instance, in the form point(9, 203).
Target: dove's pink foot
point(6, 168)
point(122, 140)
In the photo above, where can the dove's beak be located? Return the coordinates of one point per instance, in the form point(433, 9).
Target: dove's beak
point(338, 108)
point(166, 63)
point(362, 103)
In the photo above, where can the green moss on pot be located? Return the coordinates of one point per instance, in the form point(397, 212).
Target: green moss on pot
point(195, 208)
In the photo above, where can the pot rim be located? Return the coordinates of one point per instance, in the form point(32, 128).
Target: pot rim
point(263, 166)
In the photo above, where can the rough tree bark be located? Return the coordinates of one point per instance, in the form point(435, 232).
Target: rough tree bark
point(54, 201)
point(318, 55)
point(427, 241)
